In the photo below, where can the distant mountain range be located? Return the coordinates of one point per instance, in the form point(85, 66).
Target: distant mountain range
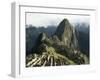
point(57, 45)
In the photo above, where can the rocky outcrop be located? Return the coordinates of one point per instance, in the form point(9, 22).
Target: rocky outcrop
point(66, 34)
point(59, 49)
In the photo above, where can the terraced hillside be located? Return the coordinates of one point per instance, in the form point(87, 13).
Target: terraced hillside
point(59, 49)
point(48, 58)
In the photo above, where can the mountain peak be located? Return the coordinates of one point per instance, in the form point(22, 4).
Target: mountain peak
point(63, 24)
point(65, 21)
point(65, 33)
point(63, 28)
point(58, 49)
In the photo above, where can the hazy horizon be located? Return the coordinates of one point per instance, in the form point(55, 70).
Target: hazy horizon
point(38, 19)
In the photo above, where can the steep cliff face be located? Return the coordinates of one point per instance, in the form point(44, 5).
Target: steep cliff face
point(66, 34)
point(59, 49)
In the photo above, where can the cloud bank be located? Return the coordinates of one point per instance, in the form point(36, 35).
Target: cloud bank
point(38, 19)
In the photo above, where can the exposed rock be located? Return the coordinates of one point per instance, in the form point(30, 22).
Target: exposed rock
point(59, 49)
point(66, 34)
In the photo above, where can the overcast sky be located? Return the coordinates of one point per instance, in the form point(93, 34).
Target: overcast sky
point(38, 19)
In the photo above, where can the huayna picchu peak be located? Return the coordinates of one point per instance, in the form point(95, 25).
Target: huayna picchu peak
point(66, 34)
point(61, 48)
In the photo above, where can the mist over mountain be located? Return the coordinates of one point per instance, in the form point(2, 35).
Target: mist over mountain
point(83, 36)
point(57, 45)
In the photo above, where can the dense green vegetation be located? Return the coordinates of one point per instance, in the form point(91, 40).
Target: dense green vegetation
point(55, 46)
